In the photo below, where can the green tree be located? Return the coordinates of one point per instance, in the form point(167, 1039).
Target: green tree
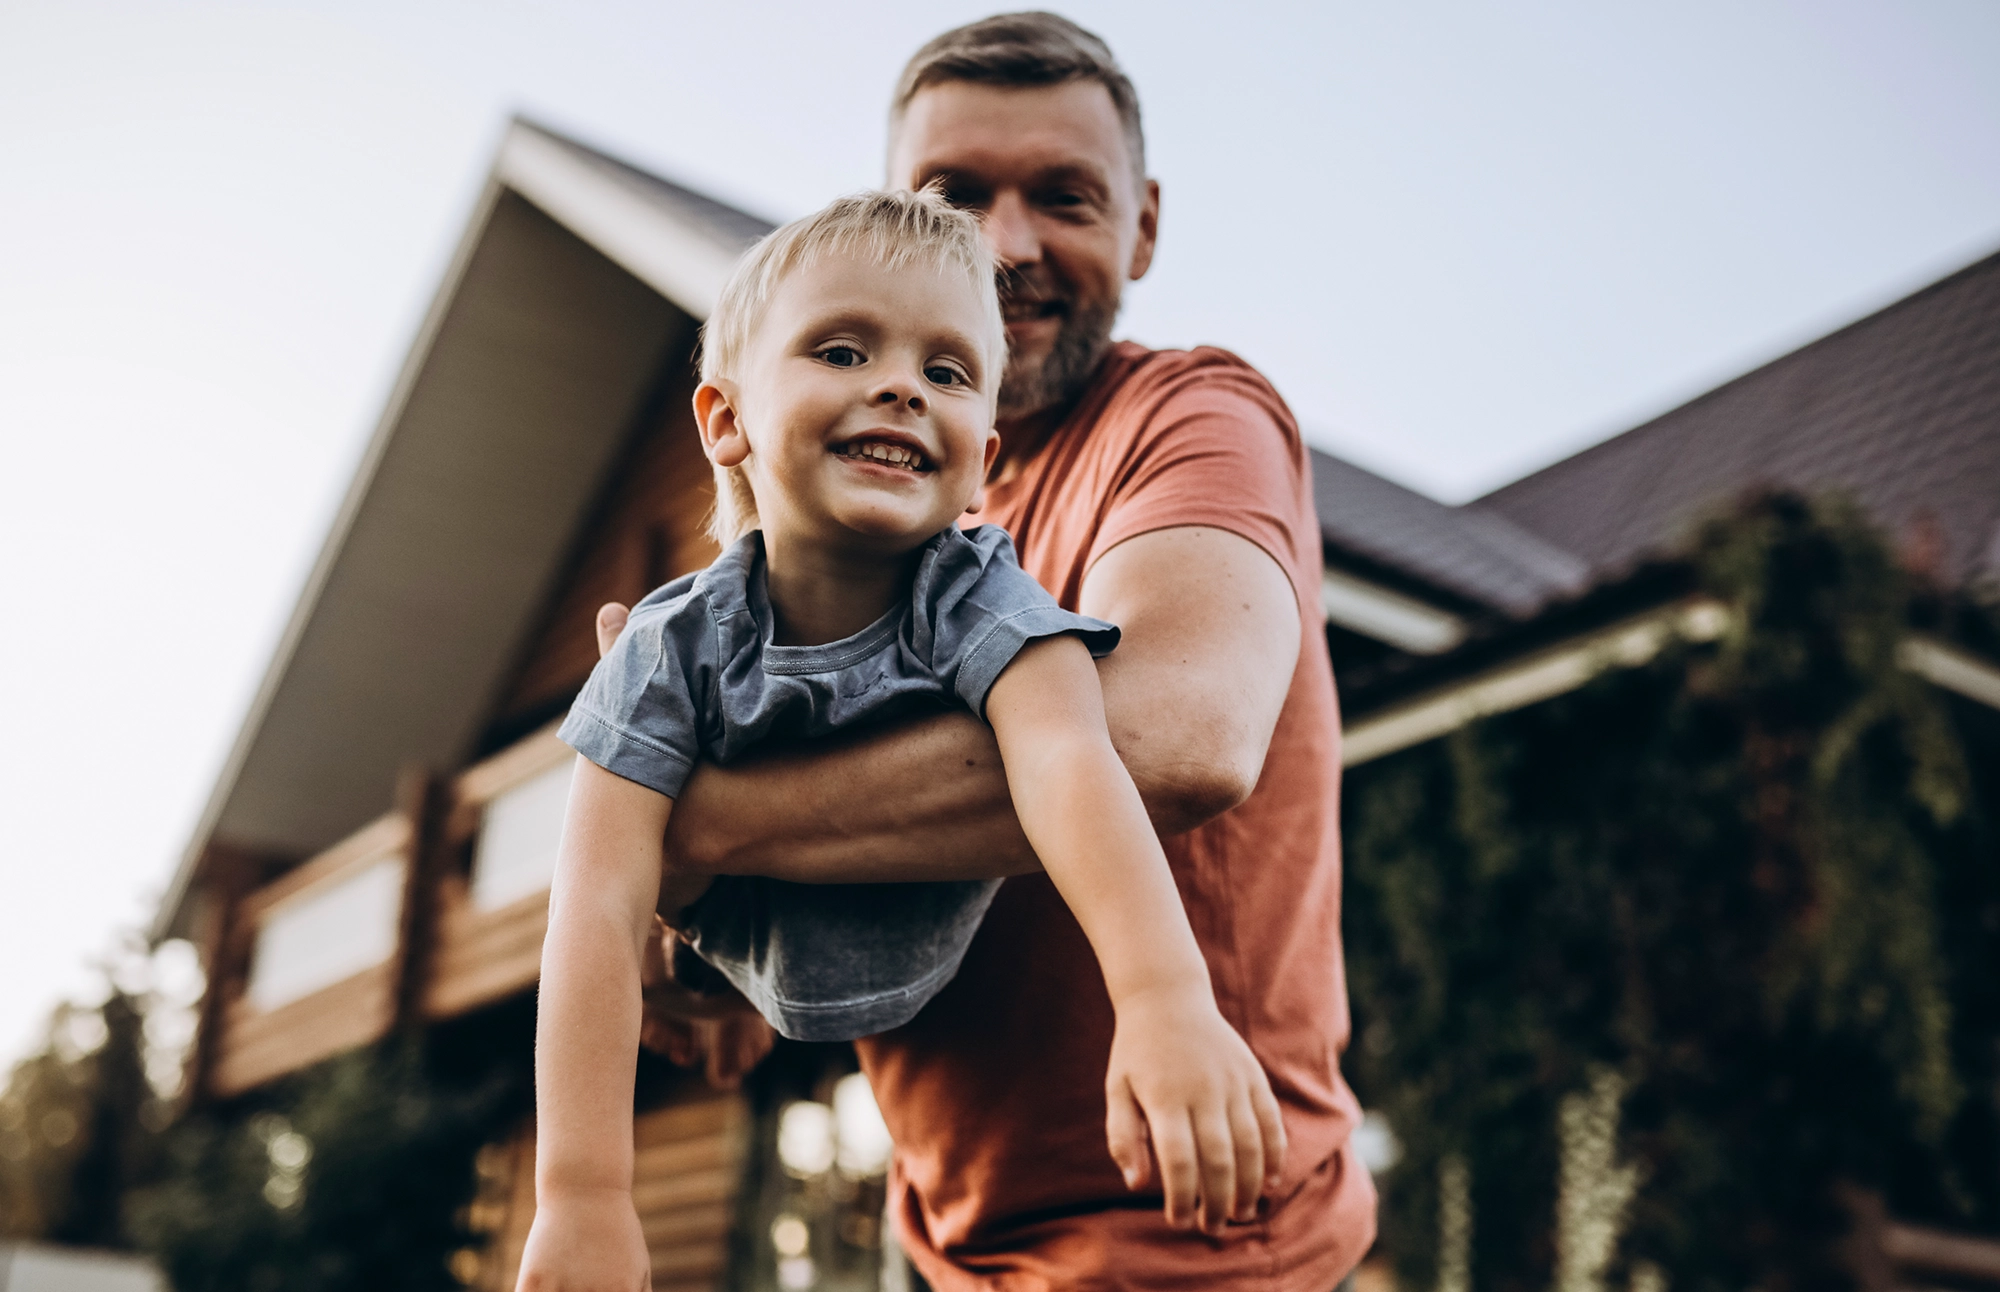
point(78, 1127)
point(355, 1174)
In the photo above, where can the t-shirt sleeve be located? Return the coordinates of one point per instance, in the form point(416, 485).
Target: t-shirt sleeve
point(1219, 448)
point(983, 608)
point(636, 717)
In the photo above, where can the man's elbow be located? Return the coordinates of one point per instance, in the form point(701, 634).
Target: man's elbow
point(1185, 794)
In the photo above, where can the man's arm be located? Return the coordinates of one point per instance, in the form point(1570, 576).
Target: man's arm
point(1191, 696)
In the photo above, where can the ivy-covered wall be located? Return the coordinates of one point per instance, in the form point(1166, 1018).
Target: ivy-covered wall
point(1641, 974)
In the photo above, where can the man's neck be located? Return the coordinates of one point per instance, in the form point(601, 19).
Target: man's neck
point(820, 594)
point(1021, 438)
point(1025, 435)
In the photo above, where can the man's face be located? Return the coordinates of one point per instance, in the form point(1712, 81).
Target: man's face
point(1049, 169)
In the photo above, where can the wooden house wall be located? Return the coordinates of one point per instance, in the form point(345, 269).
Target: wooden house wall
point(256, 1045)
point(482, 956)
point(687, 1172)
point(648, 527)
point(651, 527)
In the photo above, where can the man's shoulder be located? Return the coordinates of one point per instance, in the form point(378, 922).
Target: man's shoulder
point(1147, 367)
point(1146, 381)
point(1157, 398)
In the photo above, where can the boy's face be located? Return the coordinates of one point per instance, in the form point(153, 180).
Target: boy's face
point(863, 408)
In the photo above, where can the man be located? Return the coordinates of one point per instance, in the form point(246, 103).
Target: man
point(1168, 492)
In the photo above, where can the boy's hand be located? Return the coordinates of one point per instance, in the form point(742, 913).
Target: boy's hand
point(586, 1242)
point(1179, 1070)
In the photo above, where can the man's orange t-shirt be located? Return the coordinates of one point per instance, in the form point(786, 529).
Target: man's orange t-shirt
point(995, 1092)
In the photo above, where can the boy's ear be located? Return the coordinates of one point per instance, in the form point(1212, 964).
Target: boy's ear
point(985, 470)
point(722, 435)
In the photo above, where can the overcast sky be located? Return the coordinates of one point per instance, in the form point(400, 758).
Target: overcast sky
point(1464, 239)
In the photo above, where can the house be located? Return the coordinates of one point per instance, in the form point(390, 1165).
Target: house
point(377, 851)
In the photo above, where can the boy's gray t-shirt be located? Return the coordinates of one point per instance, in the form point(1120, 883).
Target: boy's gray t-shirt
point(697, 675)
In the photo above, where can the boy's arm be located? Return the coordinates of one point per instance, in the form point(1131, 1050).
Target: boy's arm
point(1177, 1068)
point(586, 1234)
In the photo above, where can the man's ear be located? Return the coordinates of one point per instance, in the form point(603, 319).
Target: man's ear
point(1149, 231)
point(722, 434)
point(985, 470)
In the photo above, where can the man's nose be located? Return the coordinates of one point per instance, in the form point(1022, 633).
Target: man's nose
point(1010, 231)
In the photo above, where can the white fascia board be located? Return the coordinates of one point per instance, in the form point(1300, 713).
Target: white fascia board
point(1541, 676)
point(1374, 611)
point(1951, 668)
point(683, 263)
point(1565, 668)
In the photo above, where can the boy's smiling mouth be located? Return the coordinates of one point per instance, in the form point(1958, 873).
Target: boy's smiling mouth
point(884, 452)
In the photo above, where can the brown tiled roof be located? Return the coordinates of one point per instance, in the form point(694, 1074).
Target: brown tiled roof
point(1900, 411)
point(1473, 557)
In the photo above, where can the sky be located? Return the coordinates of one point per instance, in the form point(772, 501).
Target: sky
point(1465, 240)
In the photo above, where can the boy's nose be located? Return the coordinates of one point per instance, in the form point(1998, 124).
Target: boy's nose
point(892, 395)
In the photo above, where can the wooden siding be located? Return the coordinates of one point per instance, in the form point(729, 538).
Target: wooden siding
point(648, 528)
point(482, 956)
point(687, 1171)
point(651, 529)
point(256, 1045)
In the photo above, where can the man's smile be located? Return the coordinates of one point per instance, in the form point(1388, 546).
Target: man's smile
point(1016, 309)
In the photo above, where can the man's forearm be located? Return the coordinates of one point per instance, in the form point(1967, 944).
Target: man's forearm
point(1190, 698)
point(925, 800)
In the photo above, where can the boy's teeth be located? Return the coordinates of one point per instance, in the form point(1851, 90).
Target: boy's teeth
point(889, 453)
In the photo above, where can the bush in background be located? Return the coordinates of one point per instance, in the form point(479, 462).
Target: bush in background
point(1642, 972)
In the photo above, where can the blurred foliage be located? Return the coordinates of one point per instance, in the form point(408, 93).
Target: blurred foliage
point(1755, 878)
point(78, 1127)
point(357, 1173)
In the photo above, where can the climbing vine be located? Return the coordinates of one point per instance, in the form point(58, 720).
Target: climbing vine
point(1750, 886)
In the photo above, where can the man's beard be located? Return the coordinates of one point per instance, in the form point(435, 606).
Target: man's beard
point(1081, 340)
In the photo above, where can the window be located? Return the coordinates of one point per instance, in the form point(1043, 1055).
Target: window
point(516, 853)
point(329, 932)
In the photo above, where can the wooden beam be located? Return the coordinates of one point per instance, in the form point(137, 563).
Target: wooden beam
point(421, 800)
point(222, 879)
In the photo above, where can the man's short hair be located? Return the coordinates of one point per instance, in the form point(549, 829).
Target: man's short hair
point(1023, 49)
point(890, 229)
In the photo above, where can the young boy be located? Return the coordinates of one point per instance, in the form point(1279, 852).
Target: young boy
point(849, 381)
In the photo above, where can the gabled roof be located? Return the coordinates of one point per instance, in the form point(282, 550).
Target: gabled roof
point(1900, 411)
point(578, 284)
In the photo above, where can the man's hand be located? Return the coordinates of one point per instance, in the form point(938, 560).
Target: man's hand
point(716, 1031)
point(586, 1242)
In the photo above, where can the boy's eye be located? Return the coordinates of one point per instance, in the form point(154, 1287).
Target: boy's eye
point(940, 375)
point(841, 356)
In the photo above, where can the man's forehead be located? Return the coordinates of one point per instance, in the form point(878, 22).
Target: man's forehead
point(1007, 131)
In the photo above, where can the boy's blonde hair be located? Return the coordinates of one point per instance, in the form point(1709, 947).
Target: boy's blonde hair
point(892, 229)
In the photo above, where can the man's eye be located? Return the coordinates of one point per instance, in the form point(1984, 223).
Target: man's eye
point(965, 196)
point(940, 375)
point(841, 356)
